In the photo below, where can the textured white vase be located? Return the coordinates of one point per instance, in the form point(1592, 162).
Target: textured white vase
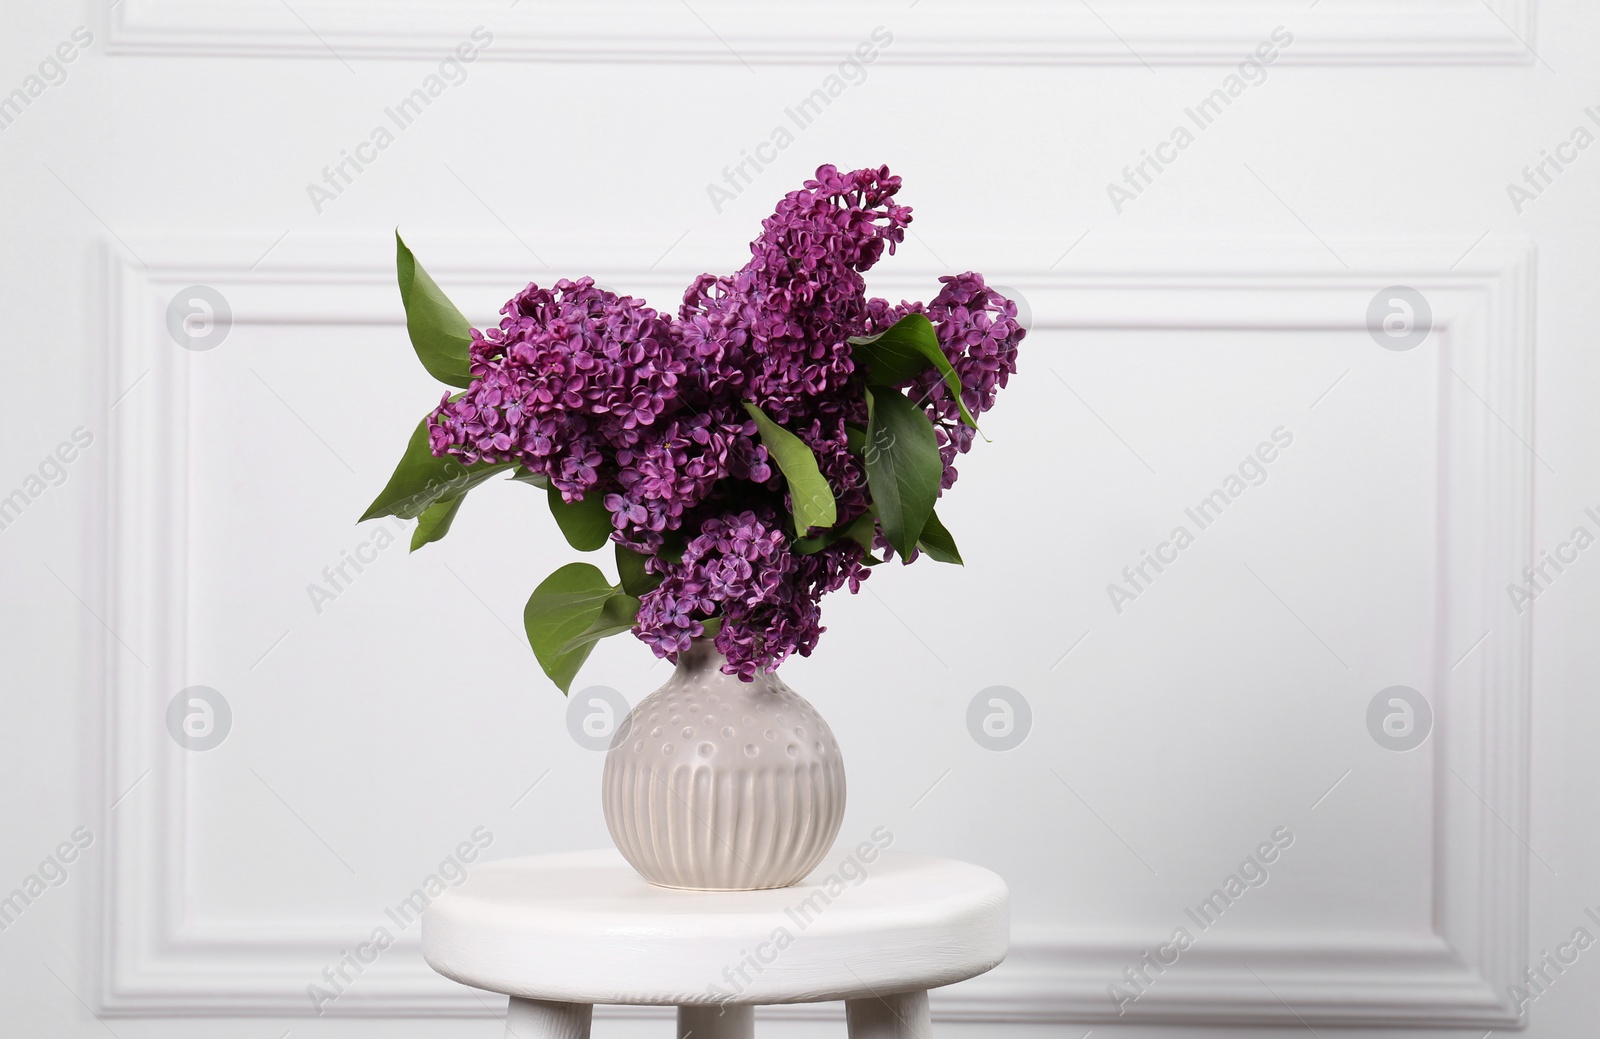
point(717, 784)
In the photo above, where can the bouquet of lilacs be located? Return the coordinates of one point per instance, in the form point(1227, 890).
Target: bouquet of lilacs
point(778, 437)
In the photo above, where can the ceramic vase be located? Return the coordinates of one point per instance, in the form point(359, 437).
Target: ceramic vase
point(717, 784)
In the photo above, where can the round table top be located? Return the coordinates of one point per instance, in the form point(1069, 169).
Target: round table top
point(583, 927)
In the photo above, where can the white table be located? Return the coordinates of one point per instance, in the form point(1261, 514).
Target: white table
point(560, 933)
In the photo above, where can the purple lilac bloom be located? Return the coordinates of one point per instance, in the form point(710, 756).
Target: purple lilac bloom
point(742, 568)
point(978, 332)
point(571, 374)
point(675, 467)
point(776, 330)
point(605, 396)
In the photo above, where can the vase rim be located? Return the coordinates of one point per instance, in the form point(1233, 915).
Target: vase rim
point(701, 650)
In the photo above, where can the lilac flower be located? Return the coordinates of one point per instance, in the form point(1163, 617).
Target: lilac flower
point(604, 396)
point(978, 332)
point(777, 328)
point(742, 568)
point(569, 373)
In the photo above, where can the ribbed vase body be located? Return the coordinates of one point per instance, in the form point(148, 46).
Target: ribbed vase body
point(713, 783)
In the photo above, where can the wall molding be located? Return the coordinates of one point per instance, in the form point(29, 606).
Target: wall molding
point(158, 959)
point(723, 32)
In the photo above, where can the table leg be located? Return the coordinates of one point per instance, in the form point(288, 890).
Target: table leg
point(901, 1016)
point(716, 1022)
point(538, 1019)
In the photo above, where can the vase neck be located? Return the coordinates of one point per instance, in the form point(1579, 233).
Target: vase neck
point(702, 655)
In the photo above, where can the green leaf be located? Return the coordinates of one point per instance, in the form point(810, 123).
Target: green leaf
point(809, 493)
point(903, 466)
point(617, 615)
point(673, 543)
point(564, 606)
point(439, 333)
point(904, 351)
point(636, 580)
point(434, 523)
point(860, 530)
point(712, 626)
point(586, 523)
point(855, 439)
point(422, 479)
point(937, 542)
point(812, 545)
point(538, 480)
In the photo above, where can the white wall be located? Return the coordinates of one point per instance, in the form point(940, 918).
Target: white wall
point(1174, 331)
